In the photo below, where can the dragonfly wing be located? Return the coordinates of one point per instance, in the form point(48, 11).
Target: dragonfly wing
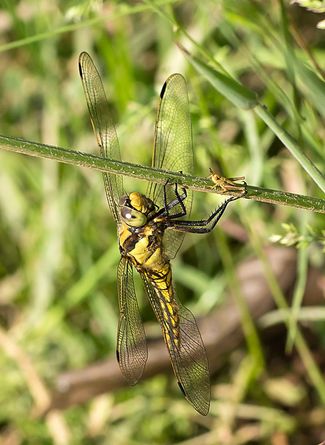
point(131, 348)
point(103, 127)
point(191, 363)
point(188, 355)
point(173, 148)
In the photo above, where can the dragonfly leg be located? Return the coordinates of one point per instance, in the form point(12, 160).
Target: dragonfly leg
point(177, 201)
point(205, 225)
point(180, 198)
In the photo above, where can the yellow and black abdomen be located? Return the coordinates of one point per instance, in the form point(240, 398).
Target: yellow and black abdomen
point(144, 248)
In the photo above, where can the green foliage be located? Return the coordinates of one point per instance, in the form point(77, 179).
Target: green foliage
point(292, 237)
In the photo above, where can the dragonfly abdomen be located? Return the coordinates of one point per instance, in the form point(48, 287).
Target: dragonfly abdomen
point(162, 283)
point(145, 250)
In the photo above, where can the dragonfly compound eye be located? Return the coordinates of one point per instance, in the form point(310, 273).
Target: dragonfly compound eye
point(132, 217)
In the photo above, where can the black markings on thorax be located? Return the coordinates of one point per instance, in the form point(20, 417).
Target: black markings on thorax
point(130, 243)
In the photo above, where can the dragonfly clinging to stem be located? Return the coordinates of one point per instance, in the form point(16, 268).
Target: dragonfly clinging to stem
point(151, 231)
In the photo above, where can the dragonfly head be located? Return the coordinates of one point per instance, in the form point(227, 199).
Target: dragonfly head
point(135, 209)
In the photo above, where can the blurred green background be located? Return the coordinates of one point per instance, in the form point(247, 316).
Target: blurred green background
point(58, 243)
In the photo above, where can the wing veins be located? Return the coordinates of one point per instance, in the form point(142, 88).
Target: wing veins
point(131, 340)
point(103, 127)
point(189, 360)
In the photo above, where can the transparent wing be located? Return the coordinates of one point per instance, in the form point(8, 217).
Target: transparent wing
point(103, 127)
point(131, 348)
point(173, 148)
point(188, 356)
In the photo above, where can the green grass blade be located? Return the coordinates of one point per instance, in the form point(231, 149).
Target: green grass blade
point(160, 176)
point(235, 92)
point(292, 145)
point(243, 98)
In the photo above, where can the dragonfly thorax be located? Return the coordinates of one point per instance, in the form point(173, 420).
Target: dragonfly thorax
point(135, 209)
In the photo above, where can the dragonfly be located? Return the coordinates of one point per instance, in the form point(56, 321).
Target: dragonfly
point(151, 229)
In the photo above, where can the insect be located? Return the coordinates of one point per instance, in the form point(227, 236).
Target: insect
point(228, 184)
point(151, 231)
